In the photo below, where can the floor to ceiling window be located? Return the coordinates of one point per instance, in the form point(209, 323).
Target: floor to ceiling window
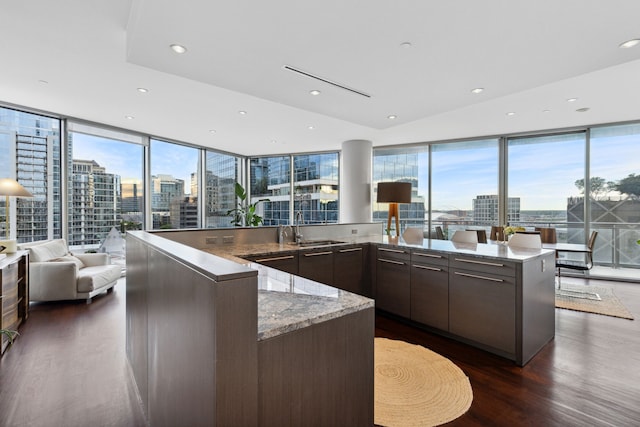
point(30, 147)
point(614, 194)
point(403, 165)
point(105, 185)
point(174, 185)
point(544, 176)
point(315, 185)
point(270, 178)
point(464, 184)
point(221, 174)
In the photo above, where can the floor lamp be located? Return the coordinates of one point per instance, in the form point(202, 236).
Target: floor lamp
point(10, 187)
point(394, 193)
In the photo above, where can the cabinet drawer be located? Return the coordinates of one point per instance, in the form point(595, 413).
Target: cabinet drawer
point(482, 308)
point(286, 261)
point(429, 258)
point(9, 297)
point(9, 277)
point(483, 265)
point(10, 316)
point(394, 253)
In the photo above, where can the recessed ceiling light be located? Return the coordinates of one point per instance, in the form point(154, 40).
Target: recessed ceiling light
point(212, 131)
point(477, 90)
point(406, 45)
point(242, 112)
point(582, 110)
point(572, 99)
point(273, 141)
point(314, 92)
point(511, 113)
point(629, 43)
point(311, 127)
point(44, 82)
point(178, 48)
point(129, 117)
point(142, 90)
point(392, 117)
point(546, 111)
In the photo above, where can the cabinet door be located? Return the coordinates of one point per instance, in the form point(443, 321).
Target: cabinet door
point(287, 262)
point(393, 286)
point(348, 269)
point(316, 265)
point(430, 295)
point(482, 308)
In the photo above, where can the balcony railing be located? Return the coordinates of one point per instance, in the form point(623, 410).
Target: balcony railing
point(615, 246)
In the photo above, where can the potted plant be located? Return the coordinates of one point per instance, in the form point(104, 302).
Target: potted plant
point(245, 213)
point(9, 333)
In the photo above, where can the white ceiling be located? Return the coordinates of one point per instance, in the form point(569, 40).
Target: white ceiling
point(529, 56)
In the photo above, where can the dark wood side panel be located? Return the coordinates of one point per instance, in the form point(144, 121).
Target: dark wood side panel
point(319, 376)
point(136, 317)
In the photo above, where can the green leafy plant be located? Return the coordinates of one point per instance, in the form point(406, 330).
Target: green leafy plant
point(9, 333)
point(245, 213)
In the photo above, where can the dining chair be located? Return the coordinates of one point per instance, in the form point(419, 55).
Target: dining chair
point(413, 235)
point(547, 234)
point(497, 233)
point(465, 236)
point(525, 240)
point(583, 266)
point(482, 235)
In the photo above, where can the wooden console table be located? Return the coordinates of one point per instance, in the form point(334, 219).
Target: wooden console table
point(14, 293)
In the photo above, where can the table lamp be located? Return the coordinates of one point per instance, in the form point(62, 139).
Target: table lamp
point(10, 187)
point(394, 193)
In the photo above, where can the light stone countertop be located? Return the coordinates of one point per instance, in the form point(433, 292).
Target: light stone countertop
point(287, 302)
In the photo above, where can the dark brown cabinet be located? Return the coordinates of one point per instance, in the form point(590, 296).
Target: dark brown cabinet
point(430, 288)
point(348, 269)
point(285, 261)
point(393, 275)
point(482, 302)
point(316, 264)
point(14, 293)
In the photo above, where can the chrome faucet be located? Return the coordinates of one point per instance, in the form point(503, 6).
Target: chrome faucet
point(298, 219)
point(282, 232)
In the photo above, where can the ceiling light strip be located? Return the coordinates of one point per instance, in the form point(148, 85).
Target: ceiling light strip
point(304, 73)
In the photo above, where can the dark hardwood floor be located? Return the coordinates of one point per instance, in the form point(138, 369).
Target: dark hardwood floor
point(68, 368)
point(589, 375)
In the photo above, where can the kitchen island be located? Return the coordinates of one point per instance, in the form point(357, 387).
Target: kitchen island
point(215, 342)
point(492, 296)
point(213, 334)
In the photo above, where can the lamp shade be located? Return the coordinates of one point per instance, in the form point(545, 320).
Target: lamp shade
point(10, 187)
point(394, 192)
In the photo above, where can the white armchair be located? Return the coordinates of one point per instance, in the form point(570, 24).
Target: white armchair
point(55, 274)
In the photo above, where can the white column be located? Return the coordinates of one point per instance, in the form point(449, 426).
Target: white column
point(355, 181)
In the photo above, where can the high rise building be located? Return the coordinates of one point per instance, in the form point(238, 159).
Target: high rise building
point(95, 203)
point(30, 145)
point(315, 187)
point(165, 189)
point(132, 207)
point(399, 167)
point(485, 209)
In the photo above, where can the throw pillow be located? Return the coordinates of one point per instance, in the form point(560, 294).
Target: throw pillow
point(70, 258)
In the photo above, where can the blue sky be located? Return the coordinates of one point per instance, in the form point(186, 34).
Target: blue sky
point(126, 159)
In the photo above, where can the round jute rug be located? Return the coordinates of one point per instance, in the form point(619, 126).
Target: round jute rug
point(416, 387)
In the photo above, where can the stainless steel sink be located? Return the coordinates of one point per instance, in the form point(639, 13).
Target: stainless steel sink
point(314, 243)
